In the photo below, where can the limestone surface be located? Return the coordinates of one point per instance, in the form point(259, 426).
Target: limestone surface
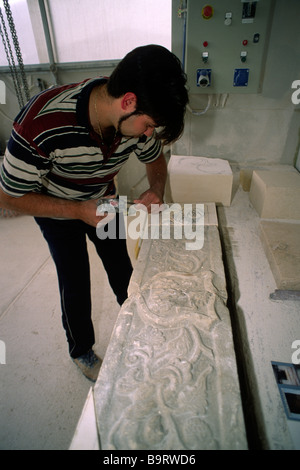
point(281, 245)
point(200, 179)
point(169, 378)
point(276, 194)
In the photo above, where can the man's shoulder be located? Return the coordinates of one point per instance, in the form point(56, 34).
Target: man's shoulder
point(54, 108)
point(54, 100)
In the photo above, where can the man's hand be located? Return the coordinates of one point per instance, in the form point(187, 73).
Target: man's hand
point(88, 211)
point(149, 197)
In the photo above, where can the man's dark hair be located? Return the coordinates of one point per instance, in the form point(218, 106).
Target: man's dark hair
point(155, 76)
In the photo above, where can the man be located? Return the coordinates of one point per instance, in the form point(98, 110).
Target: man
point(66, 146)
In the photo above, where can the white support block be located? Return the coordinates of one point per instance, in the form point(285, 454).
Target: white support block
point(276, 194)
point(200, 179)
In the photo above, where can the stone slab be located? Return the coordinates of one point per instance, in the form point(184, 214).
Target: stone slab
point(247, 171)
point(210, 214)
point(281, 243)
point(276, 194)
point(146, 227)
point(200, 179)
point(169, 377)
point(86, 433)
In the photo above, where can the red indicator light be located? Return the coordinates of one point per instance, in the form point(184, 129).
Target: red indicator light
point(207, 12)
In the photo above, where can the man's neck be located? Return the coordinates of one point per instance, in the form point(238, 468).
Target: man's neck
point(100, 112)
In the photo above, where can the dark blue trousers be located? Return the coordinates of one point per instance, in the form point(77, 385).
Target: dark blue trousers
point(68, 247)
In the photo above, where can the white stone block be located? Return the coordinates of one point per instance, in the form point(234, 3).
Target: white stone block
point(200, 179)
point(276, 194)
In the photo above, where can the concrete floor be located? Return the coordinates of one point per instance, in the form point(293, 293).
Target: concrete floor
point(42, 392)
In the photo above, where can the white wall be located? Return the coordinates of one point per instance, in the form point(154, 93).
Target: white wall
point(251, 129)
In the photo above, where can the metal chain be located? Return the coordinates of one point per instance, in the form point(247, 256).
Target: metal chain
point(11, 61)
point(17, 47)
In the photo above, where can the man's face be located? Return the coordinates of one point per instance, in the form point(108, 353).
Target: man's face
point(136, 125)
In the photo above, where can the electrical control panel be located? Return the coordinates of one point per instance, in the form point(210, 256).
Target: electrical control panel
point(226, 43)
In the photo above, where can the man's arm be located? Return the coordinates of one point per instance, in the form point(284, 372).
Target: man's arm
point(157, 176)
point(41, 205)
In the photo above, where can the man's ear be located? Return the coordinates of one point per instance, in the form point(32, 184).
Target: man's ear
point(128, 102)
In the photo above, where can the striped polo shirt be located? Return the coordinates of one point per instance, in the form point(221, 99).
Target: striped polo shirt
point(54, 150)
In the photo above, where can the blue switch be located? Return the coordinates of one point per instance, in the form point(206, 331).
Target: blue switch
point(240, 77)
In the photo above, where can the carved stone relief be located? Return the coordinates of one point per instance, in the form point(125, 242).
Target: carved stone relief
point(169, 379)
